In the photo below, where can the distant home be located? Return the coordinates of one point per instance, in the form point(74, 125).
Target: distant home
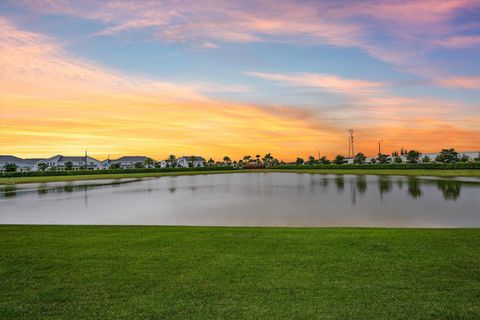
point(432, 156)
point(190, 161)
point(22, 164)
point(61, 163)
point(129, 162)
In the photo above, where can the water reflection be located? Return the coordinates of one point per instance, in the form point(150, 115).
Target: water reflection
point(265, 199)
point(414, 188)
point(450, 189)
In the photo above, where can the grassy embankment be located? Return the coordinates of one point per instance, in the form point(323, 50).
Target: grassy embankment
point(406, 172)
point(86, 272)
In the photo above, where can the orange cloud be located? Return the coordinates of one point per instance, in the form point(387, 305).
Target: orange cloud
point(53, 102)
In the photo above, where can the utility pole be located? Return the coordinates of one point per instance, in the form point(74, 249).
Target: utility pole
point(351, 150)
point(86, 166)
point(379, 147)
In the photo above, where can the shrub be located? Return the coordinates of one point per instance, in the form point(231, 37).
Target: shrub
point(107, 171)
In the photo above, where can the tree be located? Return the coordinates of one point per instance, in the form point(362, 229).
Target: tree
point(172, 161)
point(360, 158)
point(324, 160)
point(426, 159)
point(42, 166)
point(227, 160)
point(68, 165)
point(210, 162)
point(247, 159)
point(267, 159)
point(339, 159)
point(311, 160)
point(10, 167)
point(191, 161)
point(149, 163)
point(258, 158)
point(413, 156)
point(299, 161)
point(115, 166)
point(373, 161)
point(398, 159)
point(383, 158)
point(464, 158)
point(139, 165)
point(447, 156)
point(478, 158)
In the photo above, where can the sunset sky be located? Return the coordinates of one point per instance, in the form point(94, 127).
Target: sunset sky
point(236, 78)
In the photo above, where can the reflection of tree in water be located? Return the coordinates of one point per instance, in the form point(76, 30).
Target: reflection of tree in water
point(9, 191)
point(384, 184)
point(414, 187)
point(450, 189)
point(361, 184)
point(400, 184)
point(68, 188)
point(340, 182)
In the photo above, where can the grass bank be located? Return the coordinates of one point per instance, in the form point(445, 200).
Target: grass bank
point(16, 180)
point(400, 172)
point(86, 272)
point(405, 172)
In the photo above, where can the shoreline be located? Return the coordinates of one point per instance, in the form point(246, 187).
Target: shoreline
point(394, 172)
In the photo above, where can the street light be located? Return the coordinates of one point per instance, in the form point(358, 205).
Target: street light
point(379, 147)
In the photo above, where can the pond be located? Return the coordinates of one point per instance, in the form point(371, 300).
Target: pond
point(249, 199)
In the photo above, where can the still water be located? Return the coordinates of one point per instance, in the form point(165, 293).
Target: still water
point(249, 199)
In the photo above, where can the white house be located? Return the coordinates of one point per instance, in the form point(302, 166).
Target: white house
point(60, 162)
point(22, 164)
point(190, 161)
point(128, 162)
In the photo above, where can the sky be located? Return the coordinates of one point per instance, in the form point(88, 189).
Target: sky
point(235, 78)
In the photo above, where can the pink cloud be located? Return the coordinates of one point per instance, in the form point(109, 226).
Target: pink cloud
point(323, 81)
point(460, 41)
point(472, 83)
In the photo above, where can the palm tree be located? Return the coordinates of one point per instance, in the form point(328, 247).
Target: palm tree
point(267, 159)
point(171, 160)
point(149, 163)
point(247, 158)
point(210, 162)
point(258, 158)
point(226, 160)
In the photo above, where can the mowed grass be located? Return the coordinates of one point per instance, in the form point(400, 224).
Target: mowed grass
point(393, 172)
point(405, 172)
point(88, 272)
point(16, 180)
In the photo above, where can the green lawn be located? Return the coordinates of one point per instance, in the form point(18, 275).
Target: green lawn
point(82, 272)
point(407, 172)
point(104, 176)
point(400, 172)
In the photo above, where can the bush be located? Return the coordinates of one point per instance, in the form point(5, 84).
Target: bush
point(429, 165)
point(107, 171)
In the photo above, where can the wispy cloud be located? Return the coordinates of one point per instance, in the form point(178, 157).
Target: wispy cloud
point(472, 83)
point(398, 32)
point(323, 81)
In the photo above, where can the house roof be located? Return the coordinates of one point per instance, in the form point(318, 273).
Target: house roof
point(131, 159)
point(195, 158)
point(8, 158)
point(61, 158)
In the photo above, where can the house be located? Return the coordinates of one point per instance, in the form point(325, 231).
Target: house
point(61, 163)
point(190, 161)
point(22, 164)
point(129, 162)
